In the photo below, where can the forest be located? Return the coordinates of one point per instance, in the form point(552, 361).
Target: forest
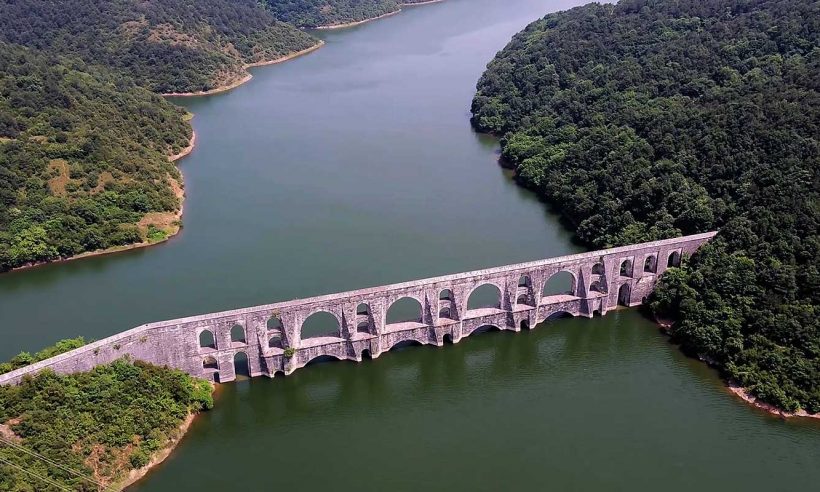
point(165, 46)
point(316, 13)
point(83, 158)
point(648, 119)
point(100, 424)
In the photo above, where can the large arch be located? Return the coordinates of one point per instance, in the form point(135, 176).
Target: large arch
point(403, 344)
point(562, 282)
point(238, 334)
point(558, 315)
point(484, 296)
point(241, 364)
point(320, 324)
point(207, 340)
point(484, 329)
point(321, 359)
point(404, 310)
point(624, 294)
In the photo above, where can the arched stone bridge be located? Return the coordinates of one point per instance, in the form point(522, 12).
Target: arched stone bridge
point(271, 336)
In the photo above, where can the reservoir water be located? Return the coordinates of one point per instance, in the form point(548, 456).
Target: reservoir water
point(356, 166)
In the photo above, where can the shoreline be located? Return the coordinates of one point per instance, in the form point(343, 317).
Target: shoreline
point(136, 475)
point(740, 391)
point(363, 21)
point(177, 185)
point(248, 76)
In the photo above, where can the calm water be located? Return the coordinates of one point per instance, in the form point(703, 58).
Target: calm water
point(356, 166)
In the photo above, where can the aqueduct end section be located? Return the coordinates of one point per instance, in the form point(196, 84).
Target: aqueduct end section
point(271, 337)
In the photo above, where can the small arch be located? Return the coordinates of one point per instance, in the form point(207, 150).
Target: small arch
point(446, 295)
point(484, 296)
point(275, 341)
point(241, 366)
point(320, 324)
point(525, 324)
point(598, 269)
point(673, 260)
point(363, 327)
point(363, 309)
point(210, 363)
point(238, 334)
point(274, 323)
point(445, 313)
point(406, 309)
point(626, 268)
point(597, 286)
point(624, 294)
point(650, 265)
point(366, 355)
point(322, 359)
point(405, 344)
point(558, 315)
point(560, 283)
point(596, 313)
point(524, 281)
point(447, 338)
point(523, 300)
point(207, 340)
point(485, 329)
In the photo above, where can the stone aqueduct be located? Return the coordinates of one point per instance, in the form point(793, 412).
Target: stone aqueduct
point(270, 336)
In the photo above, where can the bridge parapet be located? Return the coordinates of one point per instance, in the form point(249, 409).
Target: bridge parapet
point(270, 336)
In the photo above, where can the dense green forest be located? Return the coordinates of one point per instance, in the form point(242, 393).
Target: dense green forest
point(101, 423)
point(314, 13)
point(83, 158)
point(649, 119)
point(164, 45)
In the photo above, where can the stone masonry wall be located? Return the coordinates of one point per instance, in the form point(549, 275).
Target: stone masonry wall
point(270, 335)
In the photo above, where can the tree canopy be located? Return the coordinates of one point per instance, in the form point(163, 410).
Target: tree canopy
point(651, 119)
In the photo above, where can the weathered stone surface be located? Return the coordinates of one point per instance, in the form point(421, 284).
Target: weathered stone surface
point(272, 333)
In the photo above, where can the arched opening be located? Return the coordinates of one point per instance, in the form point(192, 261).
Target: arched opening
point(524, 281)
point(624, 295)
point(322, 359)
point(238, 334)
point(445, 313)
point(274, 323)
point(651, 264)
point(484, 296)
point(210, 363)
point(404, 310)
point(674, 259)
point(485, 329)
point(598, 269)
point(560, 283)
point(363, 309)
point(366, 355)
point(626, 268)
point(320, 324)
point(206, 339)
point(558, 315)
point(446, 295)
point(447, 338)
point(525, 324)
point(275, 341)
point(363, 327)
point(240, 365)
point(405, 344)
point(523, 300)
point(597, 286)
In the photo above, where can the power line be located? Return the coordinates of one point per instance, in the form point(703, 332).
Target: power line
point(46, 480)
point(18, 447)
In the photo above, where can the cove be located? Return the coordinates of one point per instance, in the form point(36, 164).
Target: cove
point(356, 166)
